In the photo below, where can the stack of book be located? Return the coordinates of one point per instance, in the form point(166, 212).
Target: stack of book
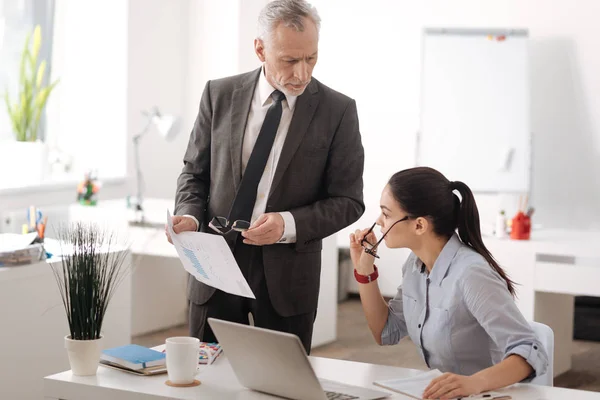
point(134, 359)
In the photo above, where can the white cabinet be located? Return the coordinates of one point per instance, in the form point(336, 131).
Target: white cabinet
point(34, 325)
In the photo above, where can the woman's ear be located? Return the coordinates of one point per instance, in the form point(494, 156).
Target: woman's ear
point(421, 225)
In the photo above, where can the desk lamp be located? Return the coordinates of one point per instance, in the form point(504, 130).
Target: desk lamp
point(168, 127)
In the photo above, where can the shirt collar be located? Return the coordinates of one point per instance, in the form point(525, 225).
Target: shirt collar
point(265, 90)
point(440, 268)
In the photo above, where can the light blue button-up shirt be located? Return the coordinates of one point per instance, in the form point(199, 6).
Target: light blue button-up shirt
point(461, 316)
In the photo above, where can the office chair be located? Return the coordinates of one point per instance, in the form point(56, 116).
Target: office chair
point(546, 336)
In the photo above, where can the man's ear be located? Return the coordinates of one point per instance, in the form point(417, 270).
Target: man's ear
point(422, 225)
point(259, 49)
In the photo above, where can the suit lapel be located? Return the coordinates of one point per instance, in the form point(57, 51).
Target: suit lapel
point(304, 111)
point(240, 108)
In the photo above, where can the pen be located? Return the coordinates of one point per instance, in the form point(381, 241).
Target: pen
point(32, 217)
point(487, 397)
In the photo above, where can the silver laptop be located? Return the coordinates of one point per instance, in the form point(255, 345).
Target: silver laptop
point(276, 363)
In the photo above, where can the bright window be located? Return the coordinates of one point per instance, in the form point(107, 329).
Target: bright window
point(85, 127)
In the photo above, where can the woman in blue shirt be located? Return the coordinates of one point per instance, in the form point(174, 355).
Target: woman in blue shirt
point(455, 302)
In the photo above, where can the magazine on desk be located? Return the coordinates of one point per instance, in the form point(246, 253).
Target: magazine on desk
point(209, 352)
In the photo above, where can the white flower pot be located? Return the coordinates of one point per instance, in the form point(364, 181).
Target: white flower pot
point(22, 163)
point(84, 355)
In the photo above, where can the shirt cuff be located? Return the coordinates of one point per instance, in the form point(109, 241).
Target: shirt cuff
point(289, 228)
point(388, 337)
point(535, 356)
point(392, 332)
point(195, 220)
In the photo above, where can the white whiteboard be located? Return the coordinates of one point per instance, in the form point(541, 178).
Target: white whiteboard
point(475, 122)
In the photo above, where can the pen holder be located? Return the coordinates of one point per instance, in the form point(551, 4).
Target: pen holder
point(521, 227)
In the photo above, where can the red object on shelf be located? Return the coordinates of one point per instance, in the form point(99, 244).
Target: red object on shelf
point(521, 227)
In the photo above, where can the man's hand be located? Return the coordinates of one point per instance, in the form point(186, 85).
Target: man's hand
point(181, 224)
point(267, 229)
point(449, 386)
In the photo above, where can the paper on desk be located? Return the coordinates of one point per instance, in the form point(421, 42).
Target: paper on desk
point(58, 248)
point(10, 242)
point(414, 386)
point(209, 259)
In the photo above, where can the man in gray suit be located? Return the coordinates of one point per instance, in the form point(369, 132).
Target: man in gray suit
point(276, 155)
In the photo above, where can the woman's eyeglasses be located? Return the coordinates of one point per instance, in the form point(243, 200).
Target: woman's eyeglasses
point(221, 225)
point(370, 248)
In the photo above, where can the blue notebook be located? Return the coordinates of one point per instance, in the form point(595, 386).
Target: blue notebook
point(134, 357)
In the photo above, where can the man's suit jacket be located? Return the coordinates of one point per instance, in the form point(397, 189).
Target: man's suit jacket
point(318, 179)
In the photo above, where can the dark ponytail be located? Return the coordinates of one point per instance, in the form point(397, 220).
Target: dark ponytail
point(425, 192)
point(467, 221)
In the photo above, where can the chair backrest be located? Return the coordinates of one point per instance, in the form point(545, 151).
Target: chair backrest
point(546, 336)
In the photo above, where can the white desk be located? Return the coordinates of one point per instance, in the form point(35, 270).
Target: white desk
point(550, 269)
point(159, 281)
point(33, 326)
point(219, 382)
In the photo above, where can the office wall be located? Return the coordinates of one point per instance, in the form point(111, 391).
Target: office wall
point(158, 76)
point(186, 43)
point(221, 44)
point(372, 52)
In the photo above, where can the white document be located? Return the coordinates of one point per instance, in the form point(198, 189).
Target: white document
point(10, 242)
point(414, 386)
point(208, 258)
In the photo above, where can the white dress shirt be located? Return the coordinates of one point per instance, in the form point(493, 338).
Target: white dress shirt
point(261, 101)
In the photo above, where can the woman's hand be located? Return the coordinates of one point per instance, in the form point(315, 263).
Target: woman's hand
point(449, 386)
point(362, 261)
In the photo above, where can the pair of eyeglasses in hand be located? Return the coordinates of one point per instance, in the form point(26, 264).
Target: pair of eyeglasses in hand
point(371, 248)
point(221, 225)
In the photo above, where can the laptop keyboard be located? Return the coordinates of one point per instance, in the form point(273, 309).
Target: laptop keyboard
point(339, 396)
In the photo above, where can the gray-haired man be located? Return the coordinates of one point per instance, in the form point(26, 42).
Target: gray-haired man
point(278, 152)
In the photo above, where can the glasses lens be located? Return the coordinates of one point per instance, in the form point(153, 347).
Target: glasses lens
point(241, 226)
point(221, 222)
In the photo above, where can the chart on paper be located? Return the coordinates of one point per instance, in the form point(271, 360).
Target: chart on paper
point(208, 258)
point(195, 262)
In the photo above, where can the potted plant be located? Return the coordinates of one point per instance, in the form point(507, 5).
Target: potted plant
point(87, 277)
point(25, 112)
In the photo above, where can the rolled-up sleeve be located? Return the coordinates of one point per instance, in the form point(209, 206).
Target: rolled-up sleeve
point(489, 301)
point(395, 326)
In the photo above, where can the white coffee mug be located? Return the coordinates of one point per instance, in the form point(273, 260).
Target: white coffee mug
point(182, 359)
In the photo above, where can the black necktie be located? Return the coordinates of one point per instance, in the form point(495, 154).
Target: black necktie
point(243, 205)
